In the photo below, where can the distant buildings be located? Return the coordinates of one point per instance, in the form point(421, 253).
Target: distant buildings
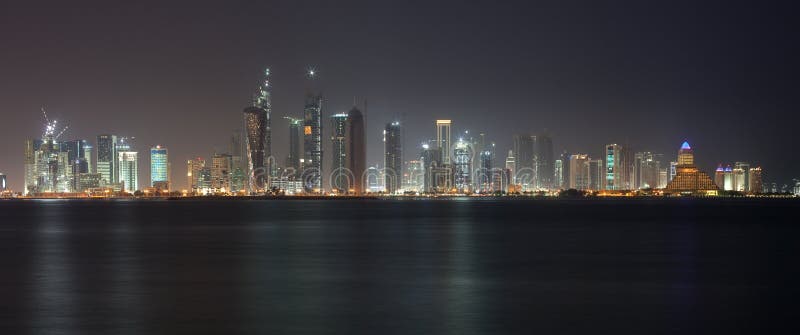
point(646, 170)
point(524, 154)
point(544, 161)
point(107, 159)
point(194, 168)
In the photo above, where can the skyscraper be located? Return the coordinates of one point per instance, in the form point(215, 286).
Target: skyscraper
point(128, 164)
point(341, 178)
point(743, 184)
point(511, 166)
point(312, 144)
point(443, 139)
point(107, 159)
point(356, 148)
point(524, 155)
point(393, 157)
point(579, 171)
point(559, 174)
point(543, 158)
point(719, 177)
point(159, 167)
point(462, 166)
point(294, 157)
point(646, 167)
point(756, 185)
point(221, 168)
point(613, 173)
point(3, 184)
point(258, 139)
point(193, 173)
point(596, 174)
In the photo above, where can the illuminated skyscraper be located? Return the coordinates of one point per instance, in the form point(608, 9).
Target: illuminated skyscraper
point(341, 179)
point(107, 159)
point(524, 155)
point(159, 167)
point(756, 185)
point(221, 168)
point(356, 149)
point(295, 154)
point(128, 164)
point(31, 181)
point(193, 173)
point(646, 167)
point(443, 140)
point(579, 172)
point(312, 144)
point(258, 137)
point(393, 156)
point(743, 183)
point(719, 177)
point(596, 174)
point(3, 183)
point(543, 158)
point(613, 173)
point(559, 174)
point(728, 178)
point(462, 166)
point(511, 166)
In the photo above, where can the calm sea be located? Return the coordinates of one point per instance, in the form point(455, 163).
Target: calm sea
point(400, 267)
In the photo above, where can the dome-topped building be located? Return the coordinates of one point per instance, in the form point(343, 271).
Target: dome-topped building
point(689, 180)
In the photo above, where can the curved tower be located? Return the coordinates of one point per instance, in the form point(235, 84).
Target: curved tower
point(258, 137)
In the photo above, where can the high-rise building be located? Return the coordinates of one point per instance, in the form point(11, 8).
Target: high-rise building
point(462, 166)
point(511, 166)
point(689, 179)
point(47, 167)
point(294, 157)
point(559, 174)
point(312, 144)
point(486, 177)
point(357, 149)
point(579, 172)
point(596, 174)
point(193, 174)
point(31, 181)
point(255, 125)
point(128, 164)
point(239, 162)
point(221, 168)
point(524, 155)
point(342, 180)
point(107, 159)
point(728, 178)
point(646, 169)
point(3, 183)
point(754, 176)
point(613, 173)
point(431, 160)
point(443, 138)
point(719, 177)
point(543, 158)
point(743, 181)
point(159, 167)
point(393, 156)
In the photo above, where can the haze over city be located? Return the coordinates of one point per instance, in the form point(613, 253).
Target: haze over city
point(719, 75)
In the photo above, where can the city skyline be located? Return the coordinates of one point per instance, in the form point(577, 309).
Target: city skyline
point(721, 97)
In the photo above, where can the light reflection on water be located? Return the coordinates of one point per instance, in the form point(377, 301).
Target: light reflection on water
point(448, 267)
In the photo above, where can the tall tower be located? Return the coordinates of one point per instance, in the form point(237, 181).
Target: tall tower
point(258, 137)
point(544, 163)
point(107, 159)
point(356, 148)
point(443, 140)
point(393, 156)
point(341, 181)
point(524, 154)
point(159, 167)
point(312, 140)
point(128, 163)
point(613, 173)
point(294, 156)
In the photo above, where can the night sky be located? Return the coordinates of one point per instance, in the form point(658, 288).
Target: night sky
point(719, 74)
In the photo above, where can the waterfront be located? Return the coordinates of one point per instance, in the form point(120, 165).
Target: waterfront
point(457, 266)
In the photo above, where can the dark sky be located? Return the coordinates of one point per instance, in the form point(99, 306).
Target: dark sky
point(721, 75)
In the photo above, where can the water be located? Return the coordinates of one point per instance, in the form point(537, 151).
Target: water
point(398, 267)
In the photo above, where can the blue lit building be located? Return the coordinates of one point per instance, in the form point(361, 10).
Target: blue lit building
point(159, 167)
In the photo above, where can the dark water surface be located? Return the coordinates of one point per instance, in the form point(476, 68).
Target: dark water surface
point(399, 267)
